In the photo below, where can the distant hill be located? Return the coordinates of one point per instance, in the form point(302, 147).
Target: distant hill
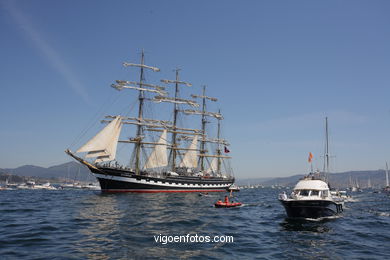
point(76, 171)
point(252, 181)
point(70, 170)
point(338, 180)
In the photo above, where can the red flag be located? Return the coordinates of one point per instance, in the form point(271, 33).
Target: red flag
point(310, 157)
point(226, 150)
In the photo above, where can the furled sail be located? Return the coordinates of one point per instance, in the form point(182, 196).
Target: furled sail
point(190, 159)
point(158, 157)
point(103, 145)
point(213, 166)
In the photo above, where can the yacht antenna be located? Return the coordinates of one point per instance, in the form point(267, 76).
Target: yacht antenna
point(326, 152)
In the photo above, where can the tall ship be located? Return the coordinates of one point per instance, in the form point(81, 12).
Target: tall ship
point(166, 156)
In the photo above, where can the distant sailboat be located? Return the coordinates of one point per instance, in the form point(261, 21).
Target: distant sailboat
point(387, 188)
point(72, 184)
point(358, 186)
point(369, 186)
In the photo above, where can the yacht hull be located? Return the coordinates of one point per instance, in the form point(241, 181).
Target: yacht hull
point(311, 208)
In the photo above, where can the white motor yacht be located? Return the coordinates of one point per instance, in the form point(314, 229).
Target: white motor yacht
point(310, 198)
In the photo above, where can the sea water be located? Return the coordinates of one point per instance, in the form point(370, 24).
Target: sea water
point(80, 224)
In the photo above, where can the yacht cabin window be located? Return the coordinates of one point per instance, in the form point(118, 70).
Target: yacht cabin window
point(304, 192)
point(315, 193)
point(307, 193)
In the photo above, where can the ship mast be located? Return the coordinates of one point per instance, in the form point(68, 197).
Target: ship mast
point(219, 153)
point(204, 122)
point(204, 114)
point(141, 87)
point(176, 100)
point(140, 113)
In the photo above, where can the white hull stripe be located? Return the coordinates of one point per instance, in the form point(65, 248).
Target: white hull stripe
point(160, 183)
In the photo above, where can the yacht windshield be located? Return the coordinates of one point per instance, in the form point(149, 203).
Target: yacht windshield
point(307, 193)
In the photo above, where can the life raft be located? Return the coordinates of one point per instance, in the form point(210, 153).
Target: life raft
point(220, 204)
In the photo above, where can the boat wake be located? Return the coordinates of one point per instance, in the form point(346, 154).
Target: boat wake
point(351, 200)
point(206, 195)
point(240, 206)
point(379, 213)
point(317, 219)
point(383, 214)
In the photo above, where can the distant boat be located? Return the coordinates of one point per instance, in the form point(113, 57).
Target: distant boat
point(340, 195)
point(369, 186)
point(387, 187)
point(355, 186)
point(28, 185)
point(31, 185)
point(8, 186)
point(74, 184)
point(91, 186)
point(311, 197)
point(45, 186)
point(233, 188)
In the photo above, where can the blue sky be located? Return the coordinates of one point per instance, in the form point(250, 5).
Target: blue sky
point(278, 68)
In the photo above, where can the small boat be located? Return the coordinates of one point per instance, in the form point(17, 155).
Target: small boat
point(28, 185)
point(233, 188)
point(226, 203)
point(44, 186)
point(72, 186)
point(340, 195)
point(91, 186)
point(7, 186)
point(220, 204)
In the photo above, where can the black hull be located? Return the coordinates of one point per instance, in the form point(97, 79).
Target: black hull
point(119, 180)
point(311, 208)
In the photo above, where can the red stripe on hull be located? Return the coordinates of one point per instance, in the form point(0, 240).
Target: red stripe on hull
point(159, 191)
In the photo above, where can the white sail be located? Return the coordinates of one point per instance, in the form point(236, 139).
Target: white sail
point(387, 175)
point(158, 157)
point(190, 159)
point(103, 145)
point(213, 166)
